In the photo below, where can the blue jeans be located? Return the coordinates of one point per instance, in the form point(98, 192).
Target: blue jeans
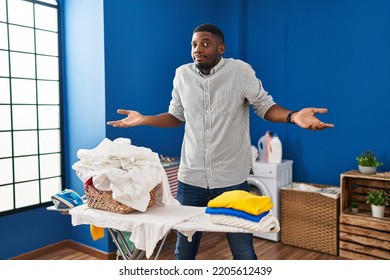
point(241, 244)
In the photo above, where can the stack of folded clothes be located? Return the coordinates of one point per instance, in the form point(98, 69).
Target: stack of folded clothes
point(242, 209)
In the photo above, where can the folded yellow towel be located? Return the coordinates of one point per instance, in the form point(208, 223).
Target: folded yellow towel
point(96, 232)
point(242, 200)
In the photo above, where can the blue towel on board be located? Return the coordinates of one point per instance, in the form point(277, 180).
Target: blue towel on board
point(236, 213)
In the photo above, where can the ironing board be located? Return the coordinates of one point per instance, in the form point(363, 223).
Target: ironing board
point(150, 227)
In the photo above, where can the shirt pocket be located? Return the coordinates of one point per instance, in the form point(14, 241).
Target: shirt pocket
point(225, 103)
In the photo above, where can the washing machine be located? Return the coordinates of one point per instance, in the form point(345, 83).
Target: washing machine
point(268, 179)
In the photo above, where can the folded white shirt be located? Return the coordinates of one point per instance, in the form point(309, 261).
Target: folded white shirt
point(267, 224)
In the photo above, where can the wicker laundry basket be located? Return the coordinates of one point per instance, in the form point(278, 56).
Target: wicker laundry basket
point(103, 200)
point(310, 220)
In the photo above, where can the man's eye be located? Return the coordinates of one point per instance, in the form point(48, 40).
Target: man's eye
point(205, 44)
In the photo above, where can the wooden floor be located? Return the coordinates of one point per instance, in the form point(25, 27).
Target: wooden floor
point(213, 247)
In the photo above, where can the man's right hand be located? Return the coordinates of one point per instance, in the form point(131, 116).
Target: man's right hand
point(133, 118)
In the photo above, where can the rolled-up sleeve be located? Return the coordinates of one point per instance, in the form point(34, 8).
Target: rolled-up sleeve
point(254, 92)
point(176, 107)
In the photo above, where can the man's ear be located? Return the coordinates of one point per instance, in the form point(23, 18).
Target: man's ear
point(221, 49)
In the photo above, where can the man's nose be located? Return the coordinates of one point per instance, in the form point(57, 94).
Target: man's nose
point(198, 48)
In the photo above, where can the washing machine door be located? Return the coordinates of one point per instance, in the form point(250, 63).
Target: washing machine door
point(257, 187)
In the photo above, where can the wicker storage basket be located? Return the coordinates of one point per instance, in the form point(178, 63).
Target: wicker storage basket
point(310, 220)
point(103, 200)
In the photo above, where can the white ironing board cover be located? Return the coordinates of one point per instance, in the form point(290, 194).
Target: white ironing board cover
point(149, 227)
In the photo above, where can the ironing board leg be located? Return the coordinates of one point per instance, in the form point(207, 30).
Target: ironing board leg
point(124, 250)
point(115, 240)
point(161, 245)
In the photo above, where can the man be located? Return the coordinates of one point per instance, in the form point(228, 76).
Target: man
point(212, 97)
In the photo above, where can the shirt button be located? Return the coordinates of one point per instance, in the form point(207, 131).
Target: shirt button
point(205, 93)
point(208, 168)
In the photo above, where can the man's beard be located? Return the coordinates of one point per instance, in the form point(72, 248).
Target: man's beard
point(202, 66)
point(207, 66)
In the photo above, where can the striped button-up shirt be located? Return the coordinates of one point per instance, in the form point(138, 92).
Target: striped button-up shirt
point(216, 149)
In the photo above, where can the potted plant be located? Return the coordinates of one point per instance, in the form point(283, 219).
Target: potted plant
point(378, 200)
point(367, 162)
point(355, 207)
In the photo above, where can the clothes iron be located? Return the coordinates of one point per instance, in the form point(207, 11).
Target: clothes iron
point(67, 199)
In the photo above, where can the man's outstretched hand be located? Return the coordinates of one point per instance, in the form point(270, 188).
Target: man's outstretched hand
point(133, 118)
point(306, 118)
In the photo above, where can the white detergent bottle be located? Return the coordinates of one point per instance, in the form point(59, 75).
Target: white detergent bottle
point(275, 150)
point(262, 146)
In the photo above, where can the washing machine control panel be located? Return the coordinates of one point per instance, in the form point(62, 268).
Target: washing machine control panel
point(270, 170)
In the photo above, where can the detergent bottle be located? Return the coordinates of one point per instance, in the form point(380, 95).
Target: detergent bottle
point(262, 146)
point(275, 150)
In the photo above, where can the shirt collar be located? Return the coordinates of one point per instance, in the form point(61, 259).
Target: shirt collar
point(213, 70)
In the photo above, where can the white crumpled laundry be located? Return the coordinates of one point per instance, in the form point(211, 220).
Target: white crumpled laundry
point(130, 172)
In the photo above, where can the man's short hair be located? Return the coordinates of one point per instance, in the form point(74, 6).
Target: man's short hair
point(213, 29)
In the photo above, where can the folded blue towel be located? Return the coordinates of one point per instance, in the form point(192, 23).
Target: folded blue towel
point(236, 213)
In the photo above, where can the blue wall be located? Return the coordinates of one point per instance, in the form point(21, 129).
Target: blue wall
point(332, 54)
point(27, 231)
point(84, 94)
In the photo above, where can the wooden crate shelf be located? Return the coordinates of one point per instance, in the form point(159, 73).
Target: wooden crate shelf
point(362, 236)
